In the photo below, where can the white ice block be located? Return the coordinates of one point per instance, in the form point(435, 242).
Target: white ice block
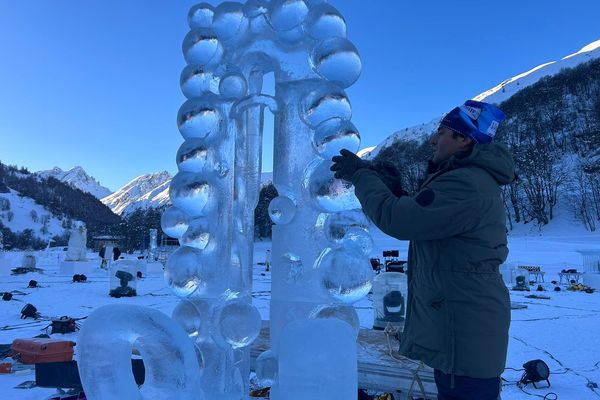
point(317, 361)
point(592, 280)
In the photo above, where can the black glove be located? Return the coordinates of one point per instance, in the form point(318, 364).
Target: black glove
point(347, 164)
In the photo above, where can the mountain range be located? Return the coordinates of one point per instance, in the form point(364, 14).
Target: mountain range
point(151, 190)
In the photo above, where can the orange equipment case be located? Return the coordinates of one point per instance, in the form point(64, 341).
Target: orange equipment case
point(38, 350)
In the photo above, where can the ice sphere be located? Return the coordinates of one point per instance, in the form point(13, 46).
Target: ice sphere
point(325, 192)
point(201, 46)
point(194, 316)
point(282, 210)
point(358, 240)
point(342, 312)
point(324, 21)
point(104, 355)
point(336, 225)
point(195, 155)
point(200, 16)
point(287, 14)
point(328, 101)
point(237, 323)
point(195, 194)
point(174, 222)
point(333, 135)
point(189, 270)
point(296, 267)
point(233, 84)
point(337, 60)
point(196, 80)
point(317, 360)
point(266, 368)
point(230, 23)
point(345, 277)
point(197, 234)
point(199, 118)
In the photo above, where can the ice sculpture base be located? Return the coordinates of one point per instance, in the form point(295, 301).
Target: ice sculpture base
point(77, 267)
point(592, 280)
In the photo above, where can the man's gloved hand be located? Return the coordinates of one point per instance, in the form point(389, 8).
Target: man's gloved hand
point(346, 164)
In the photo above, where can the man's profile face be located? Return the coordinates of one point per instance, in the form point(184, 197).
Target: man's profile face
point(445, 144)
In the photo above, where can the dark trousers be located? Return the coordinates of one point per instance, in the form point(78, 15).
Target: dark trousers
point(466, 388)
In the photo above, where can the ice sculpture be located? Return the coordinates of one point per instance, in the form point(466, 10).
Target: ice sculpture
point(320, 242)
point(152, 246)
point(77, 244)
point(104, 356)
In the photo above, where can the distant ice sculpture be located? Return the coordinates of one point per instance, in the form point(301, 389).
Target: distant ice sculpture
point(77, 244)
point(320, 243)
point(152, 245)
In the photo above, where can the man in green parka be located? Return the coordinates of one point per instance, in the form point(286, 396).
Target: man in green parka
point(458, 308)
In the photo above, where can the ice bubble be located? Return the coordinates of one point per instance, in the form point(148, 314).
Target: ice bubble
point(200, 117)
point(325, 192)
point(342, 312)
point(324, 21)
point(201, 46)
point(296, 267)
point(194, 316)
point(189, 270)
point(328, 101)
point(233, 85)
point(174, 222)
point(358, 240)
point(333, 135)
point(282, 210)
point(237, 323)
point(266, 368)
point(194, 194)
point(337, 60)
point(197, 234)
point(336, 225)
point(196, 80)
point(221, 169)
point(194, 155)
point(287, 14)
point(345, 277)
point(230, 23)
point(200, 16)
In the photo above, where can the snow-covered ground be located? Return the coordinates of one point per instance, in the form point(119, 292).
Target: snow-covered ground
point(562, 331)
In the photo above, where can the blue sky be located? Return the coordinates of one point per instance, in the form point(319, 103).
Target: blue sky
point(96, 82)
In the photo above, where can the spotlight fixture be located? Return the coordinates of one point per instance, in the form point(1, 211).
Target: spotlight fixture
point(535, 371)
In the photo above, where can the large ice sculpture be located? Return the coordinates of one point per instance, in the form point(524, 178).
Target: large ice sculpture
point(320, 242)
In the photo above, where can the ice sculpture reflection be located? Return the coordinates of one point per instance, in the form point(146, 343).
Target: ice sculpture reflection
point(320, 242)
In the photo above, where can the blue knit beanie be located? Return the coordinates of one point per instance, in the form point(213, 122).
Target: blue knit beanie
point(475, 119)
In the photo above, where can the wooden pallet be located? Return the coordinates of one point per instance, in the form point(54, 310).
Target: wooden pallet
point(377, 370)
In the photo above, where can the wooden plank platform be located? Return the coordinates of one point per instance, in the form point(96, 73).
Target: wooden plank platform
point(377, 370)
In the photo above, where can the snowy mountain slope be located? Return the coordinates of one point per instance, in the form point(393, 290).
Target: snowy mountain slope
point(77, 178)
point(497, 94)
point(150, 190)
point(25, 213)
